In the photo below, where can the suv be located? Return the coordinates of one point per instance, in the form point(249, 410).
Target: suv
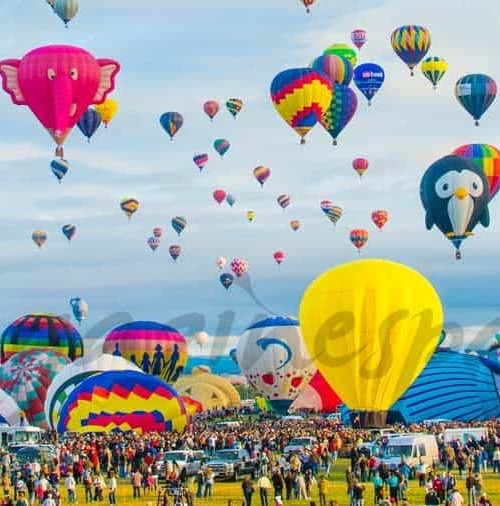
point(189, 463)
point(232, 463)
point(299, 444)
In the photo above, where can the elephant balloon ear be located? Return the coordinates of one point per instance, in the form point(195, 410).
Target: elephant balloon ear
point(109, 69)
point(9, 70)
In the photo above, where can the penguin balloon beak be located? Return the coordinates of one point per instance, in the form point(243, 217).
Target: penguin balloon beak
point(461, 193)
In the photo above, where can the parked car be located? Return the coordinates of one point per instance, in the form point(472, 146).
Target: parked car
point(299, 444)
point(232, 464)
point(189, 462)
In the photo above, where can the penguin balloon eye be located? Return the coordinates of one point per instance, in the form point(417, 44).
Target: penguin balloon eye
point(474, 184)
point(443, 186)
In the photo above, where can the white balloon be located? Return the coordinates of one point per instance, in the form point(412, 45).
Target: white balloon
point(201, 338)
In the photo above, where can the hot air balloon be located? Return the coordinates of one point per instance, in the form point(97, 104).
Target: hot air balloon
point(59, 167)
point(250, 215)
point(80, 309)
point(295, 225)
point(73, 374)
point(358, 37)
point(333, 213)
point(370, 356)
point(337, 68)
point(344, 50)
point(475, 92)
point(219, 196)
point(69, 231)
point(39, 237)
point(301, 96)
point(107, 110)
point(66, 10)
point(122, 401)
point(283, 201)
point(201, 338)
point(411, 43)
point(157, 232)
point(262, 174)
point(317, 396)
point(307, 4)
point(200, 160)
point(153, 242)
point(89, 122)
point(27, 376)
point(360, 165)
point(368, 78)
point(179, 224)
point(239, 266)
point(226, 279)
point(434, 69)
point(41, 330)
point(230, 200)
point(171, 122)
point(156, 348)
point(455, 195)
point(129, 206)
point(234, 106)
point(174, 251)
point(359, 237)
point(211, 108)
point(279, 256)
point(58, 83)
point(340, 111)
point(221, 146)
point(272, 356)
point(380, 218)
point(487, 157)
point(221, 262)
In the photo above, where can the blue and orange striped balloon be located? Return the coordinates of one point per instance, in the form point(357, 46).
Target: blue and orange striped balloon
point(301, 96)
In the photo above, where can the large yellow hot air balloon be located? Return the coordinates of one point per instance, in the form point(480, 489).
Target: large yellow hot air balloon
point(370, 326)
point(107, 110)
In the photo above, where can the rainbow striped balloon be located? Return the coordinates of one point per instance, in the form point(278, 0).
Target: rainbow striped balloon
point(337, 68)
point(301, 96)
point(41, 330)
point(122, 401)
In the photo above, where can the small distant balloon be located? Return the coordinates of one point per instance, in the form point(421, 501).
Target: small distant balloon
point(89, 122)
point(250, 215)
point(359, 238)
point(360, 165)
point(157, 232)
point(358, 37)
point(39, 237)
point(201, 338)
point(234, 106)
point(434, 69)
point(80, 309)
point(475, 93)
point(333, 213)
point(211, 108)
point(221, 262)
point(179, 224)
point(230, 200)
point(107, 110)
point(153, 243)
point(171, 122)
point(175, 251)
point(380, 218)
point(283, 201)
point(69, 231)
point(65, 9)
point(129, 206)
point(226, 280)
point(59, 167)
point(239, 266)
point(279, 256)
point(262, 174)
point(200, 160)
point(295, 225)
point(221, 146)
point(308, 4)
point(369, 78)
point(219, 196)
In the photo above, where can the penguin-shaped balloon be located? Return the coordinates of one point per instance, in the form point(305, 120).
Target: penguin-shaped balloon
point(455, 195)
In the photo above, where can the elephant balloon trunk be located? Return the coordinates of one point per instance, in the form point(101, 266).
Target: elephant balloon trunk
point(64, 107)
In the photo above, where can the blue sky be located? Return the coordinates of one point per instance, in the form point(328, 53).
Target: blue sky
point(176, 55)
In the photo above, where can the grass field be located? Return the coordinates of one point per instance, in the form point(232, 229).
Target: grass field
point(223, 491)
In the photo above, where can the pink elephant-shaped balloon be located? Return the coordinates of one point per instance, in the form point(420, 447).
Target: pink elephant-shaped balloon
point(58, 83)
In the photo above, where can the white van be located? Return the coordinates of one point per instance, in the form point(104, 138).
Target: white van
point(227, 425)
point(25, 435)
point(412, 448)
point(464, 434)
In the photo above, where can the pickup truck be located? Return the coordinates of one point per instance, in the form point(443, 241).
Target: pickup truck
point(189, 463)
point(232, 464)
point(299, 444)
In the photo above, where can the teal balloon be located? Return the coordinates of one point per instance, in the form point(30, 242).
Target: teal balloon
point(179, 224)
point(476, 92)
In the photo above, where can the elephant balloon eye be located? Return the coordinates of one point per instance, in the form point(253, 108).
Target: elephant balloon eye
point(51, 74)
point(73, 74)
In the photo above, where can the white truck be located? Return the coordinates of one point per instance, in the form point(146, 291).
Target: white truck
point(189, 463)
point(464, 434)
point(413, 449)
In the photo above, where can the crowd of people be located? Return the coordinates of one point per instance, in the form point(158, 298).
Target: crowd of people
point(101, 463)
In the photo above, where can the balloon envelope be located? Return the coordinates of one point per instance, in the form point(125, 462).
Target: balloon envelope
point(411, 43)
point(369, 78)
point(171, 122)
point(475, 93)
point(80, 308)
